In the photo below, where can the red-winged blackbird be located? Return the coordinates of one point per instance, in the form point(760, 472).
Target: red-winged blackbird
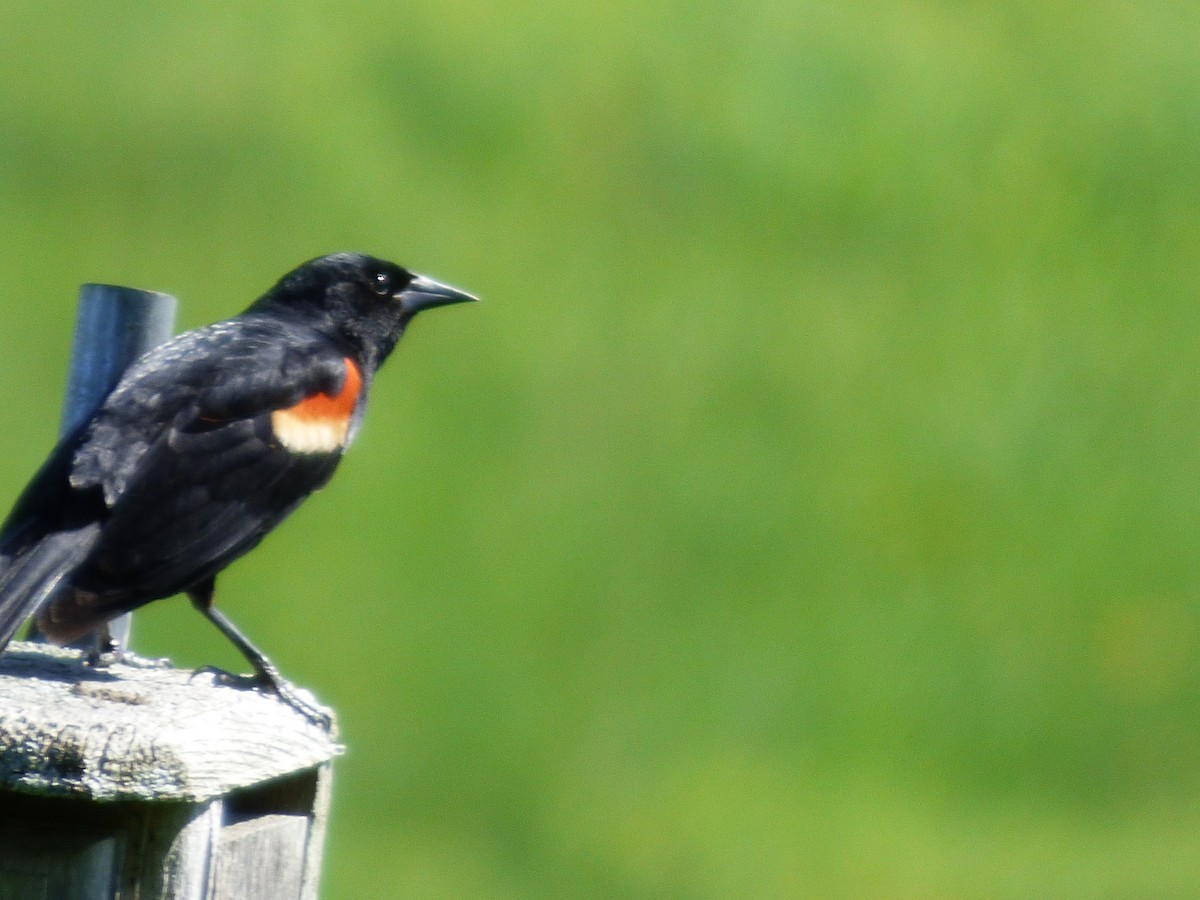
point(207, 443)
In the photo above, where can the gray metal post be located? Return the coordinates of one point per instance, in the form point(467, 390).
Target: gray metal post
point(113, 327)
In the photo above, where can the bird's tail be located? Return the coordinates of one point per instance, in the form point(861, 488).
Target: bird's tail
point(30, 575)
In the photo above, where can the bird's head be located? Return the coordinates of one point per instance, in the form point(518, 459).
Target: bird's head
point(365, 301)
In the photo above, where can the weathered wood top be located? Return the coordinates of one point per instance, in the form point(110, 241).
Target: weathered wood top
point(141, 730)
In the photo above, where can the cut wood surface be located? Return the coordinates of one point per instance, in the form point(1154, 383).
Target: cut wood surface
point(141, 730)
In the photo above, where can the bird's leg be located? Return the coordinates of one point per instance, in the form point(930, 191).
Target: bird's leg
point(266, 675)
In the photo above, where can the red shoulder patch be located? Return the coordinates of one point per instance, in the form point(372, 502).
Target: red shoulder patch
point(320, 423)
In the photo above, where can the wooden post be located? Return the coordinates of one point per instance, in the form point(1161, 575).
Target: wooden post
point(140, 780)
point(137, 780)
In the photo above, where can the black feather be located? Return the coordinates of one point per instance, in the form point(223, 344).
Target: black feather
point(180, 470)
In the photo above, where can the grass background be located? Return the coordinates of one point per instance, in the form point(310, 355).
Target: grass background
point(809, 510)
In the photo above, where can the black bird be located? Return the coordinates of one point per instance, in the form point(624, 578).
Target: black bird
point(205, 444)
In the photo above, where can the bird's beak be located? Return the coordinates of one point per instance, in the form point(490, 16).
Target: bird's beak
point(425, 293)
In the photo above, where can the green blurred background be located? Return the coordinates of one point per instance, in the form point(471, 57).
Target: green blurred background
point(811, 507)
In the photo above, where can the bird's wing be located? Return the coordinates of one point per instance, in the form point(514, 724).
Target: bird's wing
point(226, 372)
point(202, 450)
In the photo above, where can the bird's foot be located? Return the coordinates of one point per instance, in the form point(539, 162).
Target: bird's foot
point(299, 699)
point(269, 681)
point(103, 652)
point(226, 679)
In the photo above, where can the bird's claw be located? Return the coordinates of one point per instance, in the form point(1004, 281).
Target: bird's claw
point(224, 678)
point(269, 681)
point(296, 699)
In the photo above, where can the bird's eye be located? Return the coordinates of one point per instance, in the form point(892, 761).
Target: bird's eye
point(383, 284)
